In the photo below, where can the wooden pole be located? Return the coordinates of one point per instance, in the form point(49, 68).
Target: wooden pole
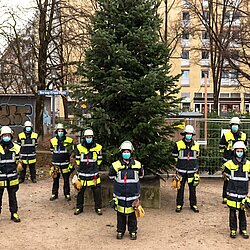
point(205, 110)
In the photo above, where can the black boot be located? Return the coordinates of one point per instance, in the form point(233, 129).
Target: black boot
point(15, 217)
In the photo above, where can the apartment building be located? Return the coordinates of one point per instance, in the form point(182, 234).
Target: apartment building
point(186, 22)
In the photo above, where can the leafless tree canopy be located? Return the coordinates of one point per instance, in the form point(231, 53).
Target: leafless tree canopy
point(224, 25)
point(54, 40)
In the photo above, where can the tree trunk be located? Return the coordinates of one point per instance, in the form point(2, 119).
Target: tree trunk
point(39, 114)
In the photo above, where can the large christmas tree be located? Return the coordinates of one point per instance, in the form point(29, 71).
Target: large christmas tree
point(128, 88)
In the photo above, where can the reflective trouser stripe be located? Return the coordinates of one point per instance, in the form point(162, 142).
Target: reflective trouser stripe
point(14, 182)
point(60, 164)
point(233, 204)
point(186, 171)
point(88, 175)
point(27, 155)
point(3, 183)
point(125, 210)
point(29, 161)
point(65, 170)
point(126, 198)
point(90, 182)
point(236, 195)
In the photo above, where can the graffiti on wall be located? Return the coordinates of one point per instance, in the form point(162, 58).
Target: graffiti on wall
point(14, 114)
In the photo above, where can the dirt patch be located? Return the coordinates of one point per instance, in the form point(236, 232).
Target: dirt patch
point(50, 225)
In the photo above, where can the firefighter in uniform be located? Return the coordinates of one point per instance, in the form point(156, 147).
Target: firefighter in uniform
point(126, 173)
point(61, 147)
point(186, 152)
point(88, 156)
point(9, 155)
point(236, 170)
point(28, 142)
point(226, 144)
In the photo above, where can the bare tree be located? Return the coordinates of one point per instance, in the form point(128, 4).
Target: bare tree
point(56, 43)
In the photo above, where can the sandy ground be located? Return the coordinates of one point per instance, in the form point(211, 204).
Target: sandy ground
point(51, 225)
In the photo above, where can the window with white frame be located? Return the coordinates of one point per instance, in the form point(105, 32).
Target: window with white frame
point(232, 3)
point(185, 18)
point(205, 3)
point(225, 75)
point(205, 16)
point(185, 102)
point(204, 35)
point(234, 75)
point(185, 42)
point(185, 77)
point(185, 35)
point(185, 58)
point(186, 3)
point(185, 54)
point(204, 72)
point(204, 54)
point(232, 18)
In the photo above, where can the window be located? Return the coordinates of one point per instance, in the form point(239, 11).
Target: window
point(185, 54)
point(233, 3)
point(197, 95)
point(224, 95)
point(185, 102)
point(234, 54)
point(205, 3)
point(185, 35)
point(235, 34)
point(225, 75)
point(204, 35)
point(186, 97)
point(185, 77)
point(185, 16)
point(185, 58)
point(227, 17)
point(206, 16)
point(232, 18)
point(185, 43)
point(186, 3)
point(235, 95)
point(203, 73)
point(185, 106)
point(204, 54)
point(234, 75)
point(236, 16)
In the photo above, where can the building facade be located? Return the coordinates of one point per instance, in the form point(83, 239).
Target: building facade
point(189, 27)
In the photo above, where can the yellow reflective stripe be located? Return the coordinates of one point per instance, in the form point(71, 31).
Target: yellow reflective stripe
point(118, 166)
point(29, 161)
point(125, 210)
point(3, 183)
point(99, 162)
point(83, 150)
point(190, 179)
point(14, 182)
point(181, 145)
point(65, 170)
point(90, 182)
point(15, 148)
point(233, 203)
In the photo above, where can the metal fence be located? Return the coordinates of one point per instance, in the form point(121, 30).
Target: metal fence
point(210, 159)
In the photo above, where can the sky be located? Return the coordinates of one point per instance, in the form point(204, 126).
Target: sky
point(16, 6)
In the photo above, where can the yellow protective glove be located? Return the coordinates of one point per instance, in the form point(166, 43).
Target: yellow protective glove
point(77, 183)
point(54, 171)
point(19, 166)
